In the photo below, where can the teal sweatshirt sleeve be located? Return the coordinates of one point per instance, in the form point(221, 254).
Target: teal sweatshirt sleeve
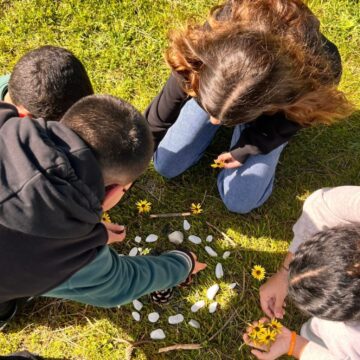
point(4, 82)
point(111, 279)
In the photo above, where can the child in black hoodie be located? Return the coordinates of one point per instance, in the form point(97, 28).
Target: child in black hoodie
point(56, 179)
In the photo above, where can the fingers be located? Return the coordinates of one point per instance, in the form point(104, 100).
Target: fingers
point(232, 165)
point(266, 305)
point(199, 267)
point(116, 236)
point(278, 310)
point(260, 355)
point(224, 157)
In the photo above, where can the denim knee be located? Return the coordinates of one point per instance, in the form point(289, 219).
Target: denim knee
point(242, 198)
point(241, 207)
point(166, 168)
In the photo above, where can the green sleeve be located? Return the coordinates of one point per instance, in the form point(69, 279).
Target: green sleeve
point(4, 82)
point(111, 280)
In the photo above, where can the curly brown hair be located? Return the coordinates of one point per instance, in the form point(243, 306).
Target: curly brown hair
point(256, 57)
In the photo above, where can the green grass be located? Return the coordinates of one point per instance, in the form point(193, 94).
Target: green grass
point(121, 44)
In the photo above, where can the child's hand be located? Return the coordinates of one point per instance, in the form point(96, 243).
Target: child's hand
point(273, 294)
point(116, 233)
point(229, 161)
point(198, 265)
point(277, 349)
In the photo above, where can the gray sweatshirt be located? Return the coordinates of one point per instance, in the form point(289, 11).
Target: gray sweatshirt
point(323, 209)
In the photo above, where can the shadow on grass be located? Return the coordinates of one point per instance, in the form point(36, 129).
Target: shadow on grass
point(236, 309)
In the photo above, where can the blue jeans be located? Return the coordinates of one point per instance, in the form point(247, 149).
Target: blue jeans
point(242, 189)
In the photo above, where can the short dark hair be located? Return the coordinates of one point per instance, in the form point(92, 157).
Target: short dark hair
point(47, 81)
point(116, 132)
point(325, 274)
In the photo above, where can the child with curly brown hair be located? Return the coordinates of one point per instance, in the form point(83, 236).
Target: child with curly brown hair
point(261, 66)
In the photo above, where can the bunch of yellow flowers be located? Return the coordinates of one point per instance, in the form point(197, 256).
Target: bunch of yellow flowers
point(265, 333)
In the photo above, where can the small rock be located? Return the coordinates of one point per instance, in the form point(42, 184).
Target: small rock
point(195, 324)
point(213, 307)
point(137, 305)
point(176, 319)
point(194, 239)
point(212, 291)
point(232, 286)
point(186, 225)
point(219, 272)
point(136, 315)
point(209, 238)
point(151, 238)
point(138, 239)
point(176, 237)
point(226, 254)
point(198, 305)
point(157, 334)
point(210, 251)
point(153, 317)
point(133, 251)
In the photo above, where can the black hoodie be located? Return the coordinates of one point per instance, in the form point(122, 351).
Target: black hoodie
point(50, 205)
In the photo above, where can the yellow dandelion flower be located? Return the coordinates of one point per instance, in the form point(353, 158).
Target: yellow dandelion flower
point(266, 336)
point(143, 206)
point(105, 218)
point(196, 209)
point(276, 326)
point(218, 164)
point(258, 272)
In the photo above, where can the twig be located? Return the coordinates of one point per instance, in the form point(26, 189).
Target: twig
point(226, 237)
point(223, 327)
point(154, 216)
point(147, 191)
point(180, 347)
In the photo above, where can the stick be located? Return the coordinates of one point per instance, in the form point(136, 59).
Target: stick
point(226, 237)
point(180, 347)
point(153, 216)
point(223, 327)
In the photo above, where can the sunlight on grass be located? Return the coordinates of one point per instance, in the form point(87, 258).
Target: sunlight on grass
point(121, 45)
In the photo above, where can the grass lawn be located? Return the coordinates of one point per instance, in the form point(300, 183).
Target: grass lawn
point(121, 43)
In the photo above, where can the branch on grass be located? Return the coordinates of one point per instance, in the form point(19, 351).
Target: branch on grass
point(154, 216)
point(223, 327)
point(226, 237)
point(180, 347)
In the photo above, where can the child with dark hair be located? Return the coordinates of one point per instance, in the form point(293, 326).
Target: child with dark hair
point(261, 66)
point(321, 274)
point(57, 178)
point(45, 82)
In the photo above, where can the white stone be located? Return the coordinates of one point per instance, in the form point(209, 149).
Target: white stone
point(232, 285)
point(194, 239)
point(213, 307)
point(210, 251)
point(195, 324)
point(136, 315)
point(133, 251)
point(151, 238)
point(212, 291)
point(157, 334)
point(219, 272)
point(209, 238)
point(176, 237)
point(153, 317)
point(198, 305)
point(138, 239)
point(176, 319)
point(186, 225)
point(226, 254)
point(137, 305)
